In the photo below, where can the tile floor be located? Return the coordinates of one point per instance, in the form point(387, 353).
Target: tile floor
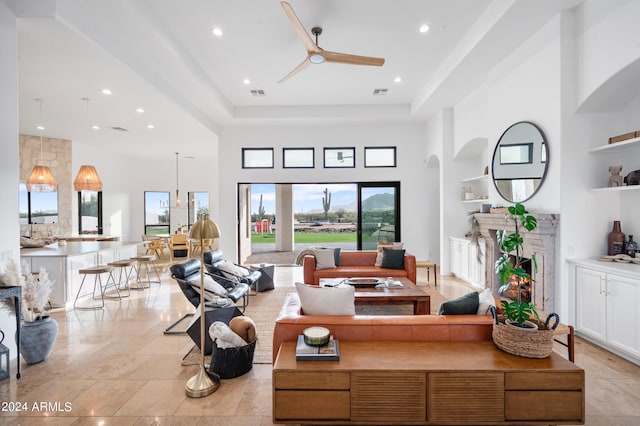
point(116, 367)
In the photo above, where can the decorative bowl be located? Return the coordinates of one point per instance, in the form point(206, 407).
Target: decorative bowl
point(316, 336)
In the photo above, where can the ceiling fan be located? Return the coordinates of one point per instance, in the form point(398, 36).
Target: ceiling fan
point(316, 54)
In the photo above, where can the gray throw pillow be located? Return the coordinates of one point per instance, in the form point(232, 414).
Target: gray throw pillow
point(463, 305)
point(392, 259)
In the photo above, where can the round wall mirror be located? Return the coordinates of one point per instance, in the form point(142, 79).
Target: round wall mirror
point(520, 161)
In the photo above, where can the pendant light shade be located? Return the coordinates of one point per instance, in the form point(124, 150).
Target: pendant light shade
point(87, 179)
point(41, 180)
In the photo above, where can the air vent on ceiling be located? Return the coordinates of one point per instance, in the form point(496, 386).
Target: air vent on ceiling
point(379, 92)
point(119, 129)
point(257, 92)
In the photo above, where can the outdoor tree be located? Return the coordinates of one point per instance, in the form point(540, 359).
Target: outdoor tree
point(326, 203)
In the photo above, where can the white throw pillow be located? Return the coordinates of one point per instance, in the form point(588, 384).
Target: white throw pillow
point(210, 286)
point(324, 258)
point(316, 300)
point(381, 245)
point(486, 300)
point(231, 270)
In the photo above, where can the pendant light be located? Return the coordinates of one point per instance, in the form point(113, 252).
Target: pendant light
point(87, 178)
point(41, 179)
point(177, 183)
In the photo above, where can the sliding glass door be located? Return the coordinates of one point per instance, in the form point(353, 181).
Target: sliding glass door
point(378, 214)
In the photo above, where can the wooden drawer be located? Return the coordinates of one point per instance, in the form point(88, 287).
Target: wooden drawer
point(389, 396)
point(547, 406)
point(544, 380)
point(311, 405)
point(311, 380)
point(466, 398)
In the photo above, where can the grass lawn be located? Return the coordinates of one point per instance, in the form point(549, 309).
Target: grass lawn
point(308, 237)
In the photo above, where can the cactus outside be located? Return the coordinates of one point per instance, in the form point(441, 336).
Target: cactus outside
point(326, 203)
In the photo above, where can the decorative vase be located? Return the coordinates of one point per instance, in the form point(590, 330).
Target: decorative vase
point(616, 240)
point(37, 339)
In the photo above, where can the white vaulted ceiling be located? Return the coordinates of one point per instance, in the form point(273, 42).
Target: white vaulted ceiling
point(161, 55)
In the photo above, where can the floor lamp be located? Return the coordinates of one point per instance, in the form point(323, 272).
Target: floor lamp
point(201, 384)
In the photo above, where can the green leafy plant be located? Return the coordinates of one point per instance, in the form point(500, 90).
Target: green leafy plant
point(509, 269)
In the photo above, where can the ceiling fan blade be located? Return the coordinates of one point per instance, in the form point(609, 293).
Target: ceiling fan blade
point(309, 45)
point(345, 58)
point(296, 70)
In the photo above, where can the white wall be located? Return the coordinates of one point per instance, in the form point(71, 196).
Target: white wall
point(125, 179)
point(410, 170)
point(9, 159)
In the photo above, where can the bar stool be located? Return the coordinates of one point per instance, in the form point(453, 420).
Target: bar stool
point(122, 265)
point(428, 265)
point(96, 271)
point(146, 259)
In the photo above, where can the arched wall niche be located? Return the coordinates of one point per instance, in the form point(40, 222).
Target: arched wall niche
point(472, 149)
point(615, 92)
point(433, 162)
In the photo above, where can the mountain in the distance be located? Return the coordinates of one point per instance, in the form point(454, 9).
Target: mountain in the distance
point(379, 202)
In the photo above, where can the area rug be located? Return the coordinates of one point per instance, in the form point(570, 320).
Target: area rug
point(264, 308)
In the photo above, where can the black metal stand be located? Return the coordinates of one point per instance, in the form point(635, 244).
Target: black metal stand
point(15, 292)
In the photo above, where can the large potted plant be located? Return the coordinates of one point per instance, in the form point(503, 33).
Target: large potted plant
point(519, 329)
point(38, 331)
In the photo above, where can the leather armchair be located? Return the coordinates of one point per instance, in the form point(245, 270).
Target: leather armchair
point(214, 259)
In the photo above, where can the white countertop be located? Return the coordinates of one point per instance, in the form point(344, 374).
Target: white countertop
point(75, 248)
point(629, 269)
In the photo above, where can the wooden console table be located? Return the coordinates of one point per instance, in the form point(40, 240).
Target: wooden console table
point(14, 291)
point(426, 383)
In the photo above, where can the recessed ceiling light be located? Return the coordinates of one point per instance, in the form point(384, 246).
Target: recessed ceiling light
point(397, 80)
point(106, 91)
point(40, 127)
point(140, 110)
point(94, 127)
point(217, 32)
point(424, 28)
point(151, 126)
point(246, 81)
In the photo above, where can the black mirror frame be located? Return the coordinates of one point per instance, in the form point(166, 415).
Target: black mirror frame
point(545, 144)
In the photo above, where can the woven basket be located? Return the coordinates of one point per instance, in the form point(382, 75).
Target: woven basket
point(232, 362)
point(525, 343)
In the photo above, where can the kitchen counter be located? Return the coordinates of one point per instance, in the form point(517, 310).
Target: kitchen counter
point(74, 248)
point(63, 262)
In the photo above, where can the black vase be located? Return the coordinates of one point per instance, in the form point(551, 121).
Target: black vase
point(37, 339)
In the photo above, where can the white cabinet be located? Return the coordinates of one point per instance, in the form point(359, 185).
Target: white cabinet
point(607, 309)
point(460, 258)
point(464, 261)
point(591, 302)
point(477, 264)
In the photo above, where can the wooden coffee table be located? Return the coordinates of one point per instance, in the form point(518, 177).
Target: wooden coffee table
point(410, 294)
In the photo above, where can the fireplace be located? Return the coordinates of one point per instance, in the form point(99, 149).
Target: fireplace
point(540, 241)
point(526, 290)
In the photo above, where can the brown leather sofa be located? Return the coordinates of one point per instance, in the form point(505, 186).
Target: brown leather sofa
point(357, 264)
point(291, 322)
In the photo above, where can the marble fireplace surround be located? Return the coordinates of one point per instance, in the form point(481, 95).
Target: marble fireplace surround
point(540, 241)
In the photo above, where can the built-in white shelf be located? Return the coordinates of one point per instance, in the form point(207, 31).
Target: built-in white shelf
point(476, 200)
point(616, 188)
point(473, 179)
point(618, 146)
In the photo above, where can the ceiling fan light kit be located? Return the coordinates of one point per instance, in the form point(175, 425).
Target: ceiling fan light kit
point(317, 55)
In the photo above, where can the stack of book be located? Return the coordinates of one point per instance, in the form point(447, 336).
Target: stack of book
point(328, 352)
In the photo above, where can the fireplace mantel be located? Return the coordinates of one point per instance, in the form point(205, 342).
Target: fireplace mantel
point(540, 241)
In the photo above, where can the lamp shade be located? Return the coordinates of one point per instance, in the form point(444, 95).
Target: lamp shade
point(87, 179)
point(41, 180)
point(204, 228)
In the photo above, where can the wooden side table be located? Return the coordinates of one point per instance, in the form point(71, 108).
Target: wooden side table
point(14, 291)
point(428, 265)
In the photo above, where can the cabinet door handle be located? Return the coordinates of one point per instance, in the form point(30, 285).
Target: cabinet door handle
point(602, 289)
